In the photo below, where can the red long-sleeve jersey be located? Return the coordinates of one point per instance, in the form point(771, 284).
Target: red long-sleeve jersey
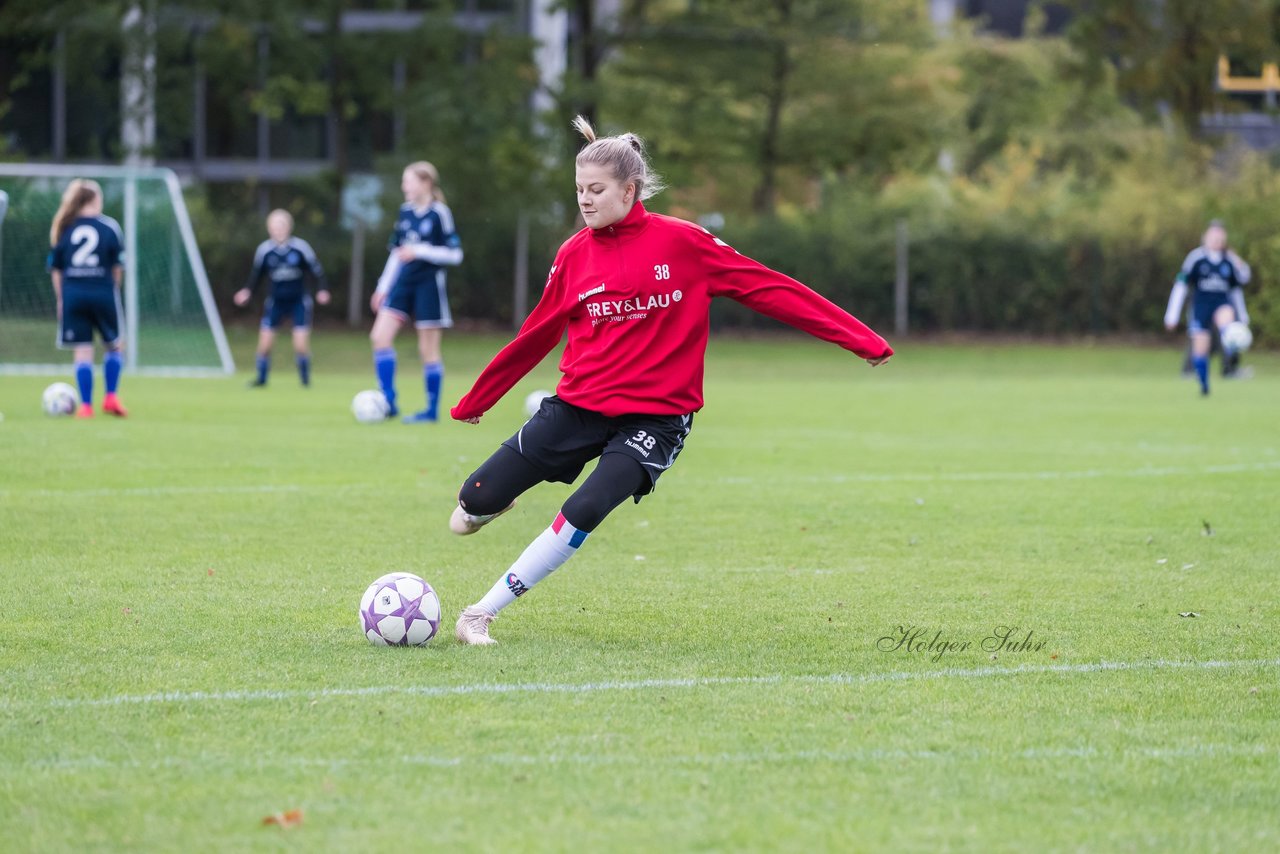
point(635, 298)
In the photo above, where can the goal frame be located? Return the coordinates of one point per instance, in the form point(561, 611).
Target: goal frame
point(130, 176)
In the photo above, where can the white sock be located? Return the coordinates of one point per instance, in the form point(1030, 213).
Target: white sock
point(542, 557)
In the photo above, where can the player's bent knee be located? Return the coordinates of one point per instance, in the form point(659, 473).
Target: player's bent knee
point(478, 499)
point(500, 480)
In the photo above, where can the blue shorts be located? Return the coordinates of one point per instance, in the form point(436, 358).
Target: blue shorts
point(425, 303)
point(297, 308)
point(85, 309)
point(1202, 311)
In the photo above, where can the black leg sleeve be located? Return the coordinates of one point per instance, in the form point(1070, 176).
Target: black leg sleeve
point(616, 478)
point(498, 482)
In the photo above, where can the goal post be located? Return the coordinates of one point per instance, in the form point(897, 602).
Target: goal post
point(171, 322)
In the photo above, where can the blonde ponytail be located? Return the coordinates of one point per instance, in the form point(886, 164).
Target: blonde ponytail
point(623, 155)
point(78, 193)
point(426, 171)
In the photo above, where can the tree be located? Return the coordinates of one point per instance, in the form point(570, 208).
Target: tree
point(760, 98)
point(1164, 52)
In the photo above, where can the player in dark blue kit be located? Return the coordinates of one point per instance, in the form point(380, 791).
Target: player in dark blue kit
point(412, 286)
point(1215, 276)
point(288, 261)
point(86, 265)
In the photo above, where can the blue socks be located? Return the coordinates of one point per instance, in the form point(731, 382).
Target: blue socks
point(1202, 372)
point(433, 376)
point(84, 379)
point(263, 363)
point(384, 365)
point(111, 365)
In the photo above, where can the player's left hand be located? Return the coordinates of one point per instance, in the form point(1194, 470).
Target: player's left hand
point(878, 361)
point(405, 254)
point(322, 297)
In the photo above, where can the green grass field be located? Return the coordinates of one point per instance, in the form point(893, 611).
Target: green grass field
point(181, 657)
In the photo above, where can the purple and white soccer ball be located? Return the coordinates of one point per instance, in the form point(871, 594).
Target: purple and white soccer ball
point(399, 609)
point(59, 399)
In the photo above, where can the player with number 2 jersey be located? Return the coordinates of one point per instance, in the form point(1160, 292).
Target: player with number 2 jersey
point(85, 263)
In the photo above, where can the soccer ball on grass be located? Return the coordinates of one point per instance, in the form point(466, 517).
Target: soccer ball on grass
point(60, 399)
point(370, 406)
point(399, 609)
point(533, 402)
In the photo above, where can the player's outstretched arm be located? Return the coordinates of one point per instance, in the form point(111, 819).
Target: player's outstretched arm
point(783, 298)
point(538, 336)
point(1177, 298)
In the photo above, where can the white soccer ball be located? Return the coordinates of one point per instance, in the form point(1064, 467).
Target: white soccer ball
point(60, 399)
point(533, 402)
point(370, 406)
point(399, 609)
point(1236, 336)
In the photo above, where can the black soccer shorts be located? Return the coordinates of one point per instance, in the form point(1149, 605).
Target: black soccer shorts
point(560, 439)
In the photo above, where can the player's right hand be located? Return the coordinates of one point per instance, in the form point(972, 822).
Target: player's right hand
point(1169, 327)
point(241, 296)
point(375, 301)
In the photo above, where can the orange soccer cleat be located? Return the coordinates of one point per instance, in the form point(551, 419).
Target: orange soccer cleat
point(85, 411)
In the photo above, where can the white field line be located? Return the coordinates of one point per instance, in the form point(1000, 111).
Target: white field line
point(943, 477)
point(900, 477)
point(206, 762)
point(150, 491)
point(489, 688)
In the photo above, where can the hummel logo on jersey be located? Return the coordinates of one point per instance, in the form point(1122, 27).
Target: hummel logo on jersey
point(592, 292)
point(515, 585)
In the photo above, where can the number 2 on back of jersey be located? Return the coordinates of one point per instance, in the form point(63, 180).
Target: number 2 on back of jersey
point(85, 239)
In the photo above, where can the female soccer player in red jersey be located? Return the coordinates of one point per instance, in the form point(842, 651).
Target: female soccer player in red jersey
point(634, 291)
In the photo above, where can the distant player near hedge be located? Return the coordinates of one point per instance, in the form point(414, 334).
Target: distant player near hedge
point(86, 264)
point(288, 262)
point(412, 286)
point(1215, 276)
point(633, 290)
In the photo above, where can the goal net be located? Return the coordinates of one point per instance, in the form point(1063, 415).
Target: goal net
point(171, 323)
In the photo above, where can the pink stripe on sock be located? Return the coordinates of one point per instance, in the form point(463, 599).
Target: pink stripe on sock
point(558, 523)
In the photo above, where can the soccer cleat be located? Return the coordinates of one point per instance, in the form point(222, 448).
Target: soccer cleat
point(392, 411)
point(473, 627)
point(85, 411)
point(426, 416)
point(112, 406)
point(464, 524)
point(256, 383)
